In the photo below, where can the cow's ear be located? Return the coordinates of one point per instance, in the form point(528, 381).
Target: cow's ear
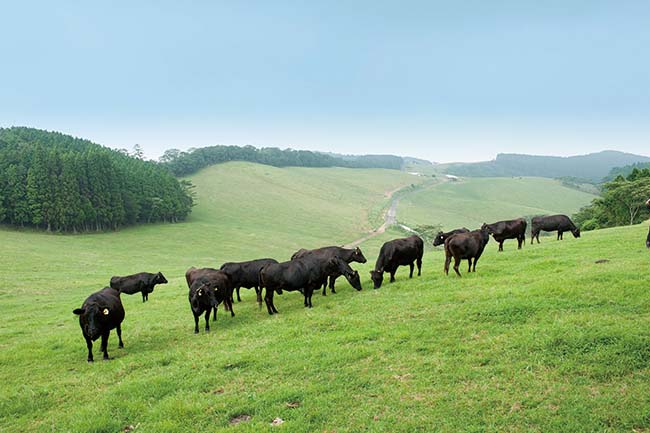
point(105, 311)
point(79, 311)
point(356, 273)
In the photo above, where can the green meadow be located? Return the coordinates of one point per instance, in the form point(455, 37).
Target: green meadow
point(471, 202)
point(539, 340)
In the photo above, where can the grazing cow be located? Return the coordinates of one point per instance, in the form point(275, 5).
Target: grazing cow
point(246, 274)
point(304, 275)
point(647, 240)
point(218, 281)
point(202, 299)
point(101, 312)
point(511, 229)
point(465, 246)
point(143, 282)
point(395, 253)
point(345, 254)
point(551, 223)
point(440, 237)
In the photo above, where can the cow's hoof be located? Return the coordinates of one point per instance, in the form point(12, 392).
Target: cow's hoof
point(90, 361)
point(121, 346)
point(196, 331)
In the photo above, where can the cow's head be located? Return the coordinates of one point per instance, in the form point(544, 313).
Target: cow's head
point(485, 234)
point(377, 277)
point(576, 232)
point(160, 279)
point(93, 319)
point(354, 279)
point(487, 228)
point(358, 256)
point(439, 239)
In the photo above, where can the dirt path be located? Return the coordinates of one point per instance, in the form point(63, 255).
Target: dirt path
point(389, 219)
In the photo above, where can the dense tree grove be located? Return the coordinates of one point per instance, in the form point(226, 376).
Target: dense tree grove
point(57, 182)
point(622, 202)
point(184, 163)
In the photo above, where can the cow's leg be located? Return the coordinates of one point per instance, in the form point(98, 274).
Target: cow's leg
point(392, 275)
point(469, 261)
point(324, 287)
point(144, 296)
point(238, 297)
point(457, 261)
point(332, 281)
point(268, 299)
point(119, 335)
point(500, 246)
point(225, 306)
point(447, 262)
point(207, 319)
point(419, 263)
point(232, 312)
point(476, 260)
point(519, 243)
point(537, 237)
point(411, 266)
point(196, 322)
point(105, 344)
point(89, 345)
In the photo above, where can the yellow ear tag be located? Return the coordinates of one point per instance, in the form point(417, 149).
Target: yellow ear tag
point(105, 311)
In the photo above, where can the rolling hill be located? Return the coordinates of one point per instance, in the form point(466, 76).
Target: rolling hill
point(473, 201)
point(542, 339)
point(593, 167)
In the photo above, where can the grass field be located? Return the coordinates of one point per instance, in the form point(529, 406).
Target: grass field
point(538, 340)
point(473, 201)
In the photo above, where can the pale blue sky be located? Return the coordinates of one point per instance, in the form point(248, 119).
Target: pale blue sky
point(445, 81)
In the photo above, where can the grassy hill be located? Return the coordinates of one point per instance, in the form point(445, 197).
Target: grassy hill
point(473, 201)
point(542, 339)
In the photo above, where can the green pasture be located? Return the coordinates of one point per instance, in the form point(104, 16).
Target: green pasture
point(472, 201)
point(539, 340)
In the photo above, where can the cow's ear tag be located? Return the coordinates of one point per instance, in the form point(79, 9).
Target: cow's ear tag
point(105, 311)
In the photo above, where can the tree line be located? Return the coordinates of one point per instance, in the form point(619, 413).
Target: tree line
point(57, 182)
point(622, 202)
point(185, 163)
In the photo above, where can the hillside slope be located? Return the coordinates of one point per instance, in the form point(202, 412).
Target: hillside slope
point(473, 201)
point(593, 167)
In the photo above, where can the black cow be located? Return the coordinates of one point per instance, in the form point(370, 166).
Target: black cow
point(305, 275)
point(511, 229)
point(101, 312)
point(395, 253)
point(143, 282)
point(440, 237)
point(465, 246)
point(345, 254)
point(202, 299)
point(246, 274)
point(218, 281)
point(561, 223)
point(647, 240)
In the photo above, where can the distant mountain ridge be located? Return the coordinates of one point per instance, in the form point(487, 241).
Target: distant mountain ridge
point(593, 167)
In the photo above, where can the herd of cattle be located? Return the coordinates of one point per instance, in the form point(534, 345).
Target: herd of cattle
point(306, 272)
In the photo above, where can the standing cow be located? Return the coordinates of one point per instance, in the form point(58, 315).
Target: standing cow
point(101, 312)
point(325, 253)
point(561, 223)
point(440, 237)
point(217, 281)
point(647, 240)
point(246, 274)
point(395, 253)
point(202, 299)
point(143, 282)
point(465, 246)
point(510, 229)
point(305, 275)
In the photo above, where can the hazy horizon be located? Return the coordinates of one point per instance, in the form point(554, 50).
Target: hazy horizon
point(444, 82)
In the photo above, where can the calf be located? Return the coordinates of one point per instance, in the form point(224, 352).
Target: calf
point(395, 253)
point(561, 223)
point(345, 254)
point(510, 229)
point(143, 282)
point(440, 237)
point(217, 281)
point(246, 274)
point(304, 275)
point(465, 246)
point(101, 312)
